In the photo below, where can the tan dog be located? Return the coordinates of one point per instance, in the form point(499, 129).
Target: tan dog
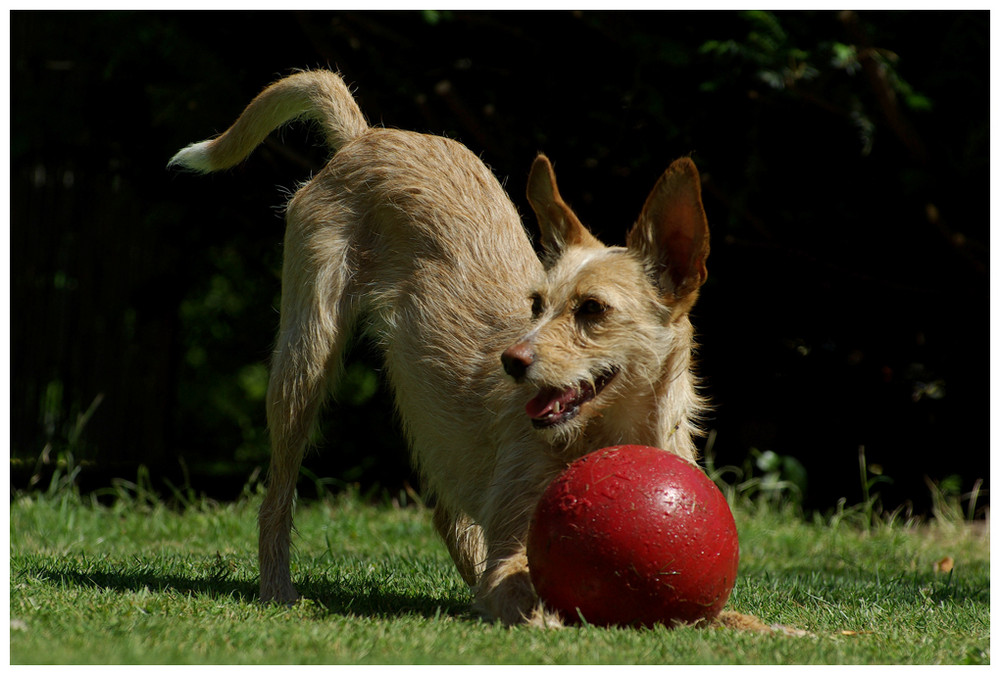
point(504, 367)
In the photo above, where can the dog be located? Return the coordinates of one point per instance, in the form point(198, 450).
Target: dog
point(505, 365)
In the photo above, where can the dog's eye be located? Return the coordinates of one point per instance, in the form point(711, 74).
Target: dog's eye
point(591, 308)
point(536, 305)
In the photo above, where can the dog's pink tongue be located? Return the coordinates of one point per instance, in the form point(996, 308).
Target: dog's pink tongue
point(541, 405)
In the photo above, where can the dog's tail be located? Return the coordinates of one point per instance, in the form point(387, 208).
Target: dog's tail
point(318, 95)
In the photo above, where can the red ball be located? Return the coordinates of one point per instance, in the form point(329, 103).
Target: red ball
point(633, 535)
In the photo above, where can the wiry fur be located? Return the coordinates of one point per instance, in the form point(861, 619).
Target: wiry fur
point(410, 239)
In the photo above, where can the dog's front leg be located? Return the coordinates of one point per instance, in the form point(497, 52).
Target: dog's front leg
point(464, 539)
point(504, 591)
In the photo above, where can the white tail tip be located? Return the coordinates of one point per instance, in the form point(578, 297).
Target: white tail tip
point(194, 157)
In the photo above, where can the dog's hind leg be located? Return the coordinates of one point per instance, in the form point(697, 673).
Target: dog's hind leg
point(313, 333)
point(293, 399)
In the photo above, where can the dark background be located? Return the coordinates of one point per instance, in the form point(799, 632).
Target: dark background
point(845, 162)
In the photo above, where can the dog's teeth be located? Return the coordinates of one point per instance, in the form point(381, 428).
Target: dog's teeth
point(557, 408)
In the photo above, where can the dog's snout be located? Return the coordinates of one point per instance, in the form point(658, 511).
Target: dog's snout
point(517, 359)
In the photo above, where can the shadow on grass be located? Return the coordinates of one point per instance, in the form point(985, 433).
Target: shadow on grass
point(364, 599)
point(330, 598)
point(124, 582)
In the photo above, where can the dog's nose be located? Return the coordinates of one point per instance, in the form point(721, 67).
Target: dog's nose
point(516, 360)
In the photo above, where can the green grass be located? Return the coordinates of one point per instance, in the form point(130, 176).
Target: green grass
point(139, 583)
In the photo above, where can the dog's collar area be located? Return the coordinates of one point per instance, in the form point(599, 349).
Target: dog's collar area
point(553, 406)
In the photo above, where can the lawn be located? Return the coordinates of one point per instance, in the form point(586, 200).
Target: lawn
point(138, 582)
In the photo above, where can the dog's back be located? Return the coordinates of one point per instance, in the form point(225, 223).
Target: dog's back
point(441, 270)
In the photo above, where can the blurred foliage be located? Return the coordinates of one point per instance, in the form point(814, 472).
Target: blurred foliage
point(845, 163)
point(821, 72)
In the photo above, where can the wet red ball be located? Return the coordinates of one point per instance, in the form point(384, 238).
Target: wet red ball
point(633, 535)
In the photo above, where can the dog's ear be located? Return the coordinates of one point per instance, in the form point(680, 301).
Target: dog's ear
point(559, 225)
point(672, 231)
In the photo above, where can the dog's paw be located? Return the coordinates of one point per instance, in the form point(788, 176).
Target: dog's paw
point(737, 621)
point(505, 593)
point(279, 596)
point(747, 622)
point(543, 617)
point(539, 617)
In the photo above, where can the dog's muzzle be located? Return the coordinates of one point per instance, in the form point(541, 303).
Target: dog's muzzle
point(553, 406)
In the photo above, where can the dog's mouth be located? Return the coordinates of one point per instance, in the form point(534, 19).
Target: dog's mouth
point(553, 406)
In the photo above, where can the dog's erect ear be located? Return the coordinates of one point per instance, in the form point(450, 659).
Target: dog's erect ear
point(672, 231)
point(559, 225)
